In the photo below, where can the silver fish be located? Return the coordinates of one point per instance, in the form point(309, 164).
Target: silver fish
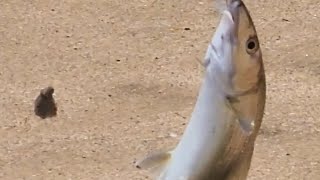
point(219, 141)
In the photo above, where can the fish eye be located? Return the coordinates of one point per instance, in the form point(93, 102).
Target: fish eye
point(252, 45)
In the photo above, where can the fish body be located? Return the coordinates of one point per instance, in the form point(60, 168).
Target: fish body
point(218, 142)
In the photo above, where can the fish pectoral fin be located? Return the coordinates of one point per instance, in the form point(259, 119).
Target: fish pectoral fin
point(154, 162)
point(246, 125)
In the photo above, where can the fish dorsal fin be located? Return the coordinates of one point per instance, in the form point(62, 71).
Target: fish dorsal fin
point(155, 162)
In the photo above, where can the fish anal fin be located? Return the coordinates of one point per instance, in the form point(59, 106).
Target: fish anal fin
point(155, 162)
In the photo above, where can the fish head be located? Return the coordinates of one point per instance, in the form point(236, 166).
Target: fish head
point(235, 49)
point(246, 55)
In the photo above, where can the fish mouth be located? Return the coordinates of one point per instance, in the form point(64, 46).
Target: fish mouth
point(230, 20)
point(233, 11)
point(233, 7)
point(240, 15)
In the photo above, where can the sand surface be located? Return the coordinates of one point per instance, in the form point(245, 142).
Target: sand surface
point(126, 77)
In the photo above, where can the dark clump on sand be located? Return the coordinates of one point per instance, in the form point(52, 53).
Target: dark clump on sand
point(45, 105)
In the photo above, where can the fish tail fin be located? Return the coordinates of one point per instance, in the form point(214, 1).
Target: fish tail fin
point(155, 162)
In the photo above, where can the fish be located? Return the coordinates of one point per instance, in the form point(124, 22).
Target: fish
point(219, 140)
